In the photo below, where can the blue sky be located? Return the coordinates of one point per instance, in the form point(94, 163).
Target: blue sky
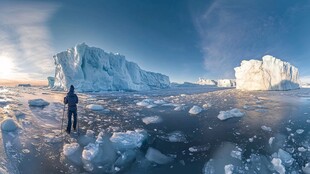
point(180, 38)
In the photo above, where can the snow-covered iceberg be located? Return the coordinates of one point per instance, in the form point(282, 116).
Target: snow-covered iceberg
point(269, 74)
point(93, 69)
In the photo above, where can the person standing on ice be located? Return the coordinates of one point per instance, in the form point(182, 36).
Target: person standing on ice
point(71, 99)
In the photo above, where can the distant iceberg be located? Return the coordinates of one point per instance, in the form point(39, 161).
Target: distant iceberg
point(269, 74)
point(93, 69)
point(225, 83)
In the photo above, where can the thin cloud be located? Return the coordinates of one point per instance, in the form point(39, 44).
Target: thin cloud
point(26, 39)
point(233, 31)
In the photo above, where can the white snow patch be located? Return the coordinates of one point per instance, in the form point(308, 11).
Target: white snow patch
point(195, 110)
point(230, 114)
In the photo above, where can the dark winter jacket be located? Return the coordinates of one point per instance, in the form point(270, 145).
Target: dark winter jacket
point(71, 99)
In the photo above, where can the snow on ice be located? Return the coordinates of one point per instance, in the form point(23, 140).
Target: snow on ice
point(230, 114)
point(93, 69)
point(269, 74)
point(38, 102)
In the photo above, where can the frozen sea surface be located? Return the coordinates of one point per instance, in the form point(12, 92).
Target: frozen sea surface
point(273, 129)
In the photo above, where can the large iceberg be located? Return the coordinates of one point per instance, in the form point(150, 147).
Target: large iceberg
point(269, 74)
point(93, 69)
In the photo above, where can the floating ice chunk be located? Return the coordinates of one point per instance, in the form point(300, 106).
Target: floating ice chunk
point(95, 107)
point(90, 151)
point(195, 110)
point(100, 137)
point(38, 102)
point(270, 141)
point(125, 159)
point(302, 149)
point(236, 154)
point(156, 156)
point(209, 167)
point(229, 114)
point(299, 131)
point(160, 102)
point(179, 108)
point(206, 105)
point(251, 140)
point(9, 125)
point(146, 102)
point(201, 148)
point(90, 133)
point(277, 164)
point(285, 157)
point(266, 128)
point(151, 120)
point(306, 168)
point(176, 136)
point(69, 149)
point(129, 139)
point(229, 169)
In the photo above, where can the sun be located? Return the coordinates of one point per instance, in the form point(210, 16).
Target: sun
point(6, 67)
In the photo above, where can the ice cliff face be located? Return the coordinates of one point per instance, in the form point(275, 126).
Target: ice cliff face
point(269, 74)
point(92, 69)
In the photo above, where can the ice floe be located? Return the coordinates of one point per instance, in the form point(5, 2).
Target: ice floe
point(90, 151)
point(230, 114)
point(151, 120)
point(266, 128)
point(9, 125)
point(195, 110)
point(38, 102)
point(128, 139)
point(277, 164)
point(156, 156)
point(95, 107)
point(69, 149)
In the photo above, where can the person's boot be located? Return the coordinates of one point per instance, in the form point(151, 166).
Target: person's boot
point(68, 132)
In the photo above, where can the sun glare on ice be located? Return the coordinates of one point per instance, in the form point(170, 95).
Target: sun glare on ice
point(6, 67)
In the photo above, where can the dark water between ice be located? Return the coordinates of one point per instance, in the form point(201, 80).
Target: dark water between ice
point(277, 110)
